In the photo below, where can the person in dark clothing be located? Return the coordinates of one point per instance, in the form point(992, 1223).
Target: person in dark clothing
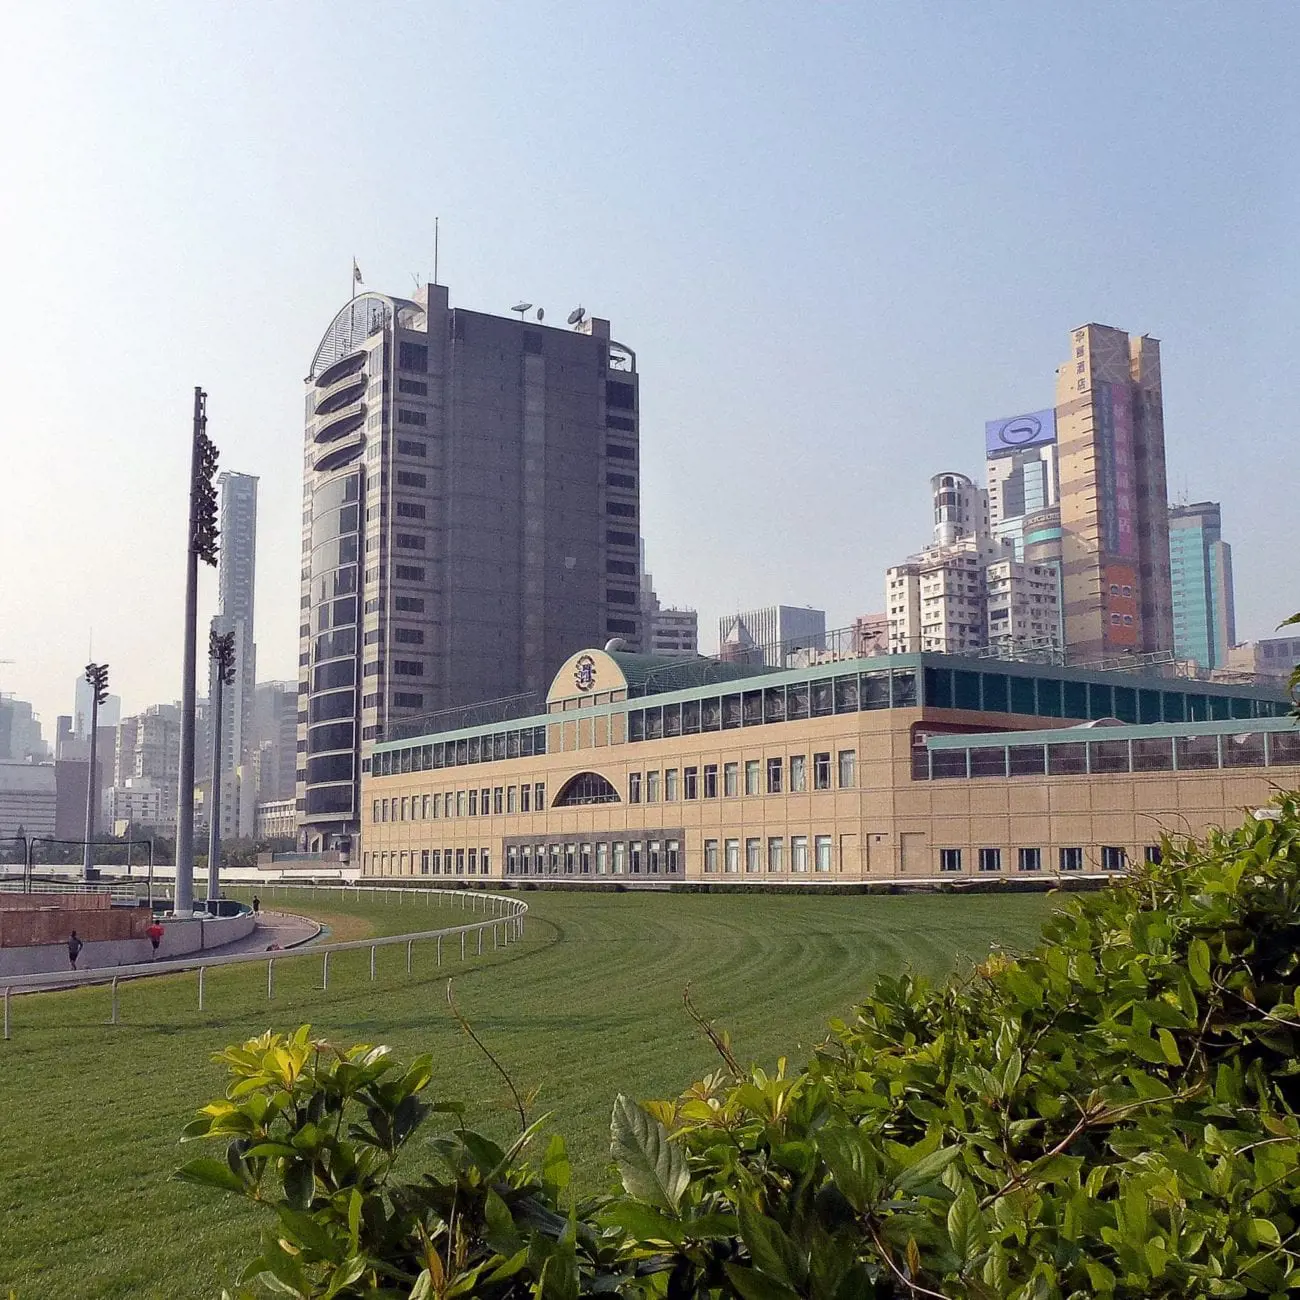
point(74, 948)
point(257, 905)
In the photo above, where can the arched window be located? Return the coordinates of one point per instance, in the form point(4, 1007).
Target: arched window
point(585, 788)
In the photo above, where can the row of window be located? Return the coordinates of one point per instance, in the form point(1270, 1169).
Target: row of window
point(725, 856)
point(1044, 697)
point(847, 693)
point(770, 776)
point(487, 801)
point(1083, 758)
point(648, 857)
point(518, 743)
point(1113, 858)
point(428, 862)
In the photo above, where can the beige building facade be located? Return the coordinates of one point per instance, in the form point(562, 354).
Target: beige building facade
point(898, 768)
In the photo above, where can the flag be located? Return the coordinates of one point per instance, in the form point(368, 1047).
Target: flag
point(356, 271)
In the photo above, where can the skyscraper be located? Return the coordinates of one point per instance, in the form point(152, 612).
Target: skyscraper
point(1200, 566)
point(236, 568)
point(470, 519)
point(1116, 596)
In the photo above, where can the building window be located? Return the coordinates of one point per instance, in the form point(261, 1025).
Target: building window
point(634, 787)
point(990, 859)
point(374, 812)
point(411, 447)
point(416, 418)
point(733, 857)
point(634, 857)
point(710, 781)
point(570, 858)
point(1113, 858)
point(751, 776)
point(949, 859)
point(776, 854)
point(652, 787)
point(774, 771)
point(711, 856)
point(525, 798)
point(1071, 859)
point(620, 857)
point(822, 847)
point(798, 853)
point(1031, 860)
point(460, 862)
point(473, 803)
point(461, 803)
point(848, 768)
point(798, 773)
point(821, 771)
point(512, 798)
point(539, 796)
point(753, 856)
point(730, 779)
point(670, 785)
point(1153, 855)
point(602, 859)
point(672, 857)
point(498, 799)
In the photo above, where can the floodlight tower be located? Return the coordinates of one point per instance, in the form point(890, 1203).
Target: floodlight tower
point(97, 677)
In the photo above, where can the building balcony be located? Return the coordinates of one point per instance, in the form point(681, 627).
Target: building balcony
point(341, 369)
point(340, 452)
point(341, 393)
point(337, 424)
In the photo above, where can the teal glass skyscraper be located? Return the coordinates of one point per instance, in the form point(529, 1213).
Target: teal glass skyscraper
point(1201, 571)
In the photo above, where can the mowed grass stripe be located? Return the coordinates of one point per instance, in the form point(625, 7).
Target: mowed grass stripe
point(588, 1005)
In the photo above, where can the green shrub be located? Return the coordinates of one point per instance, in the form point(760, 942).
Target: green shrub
point(1113, 1113)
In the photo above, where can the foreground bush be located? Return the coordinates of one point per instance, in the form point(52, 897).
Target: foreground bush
point(1113, 1113)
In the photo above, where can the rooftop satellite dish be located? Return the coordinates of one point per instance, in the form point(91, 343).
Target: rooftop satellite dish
point(522, 307)
point(541, 312)
point(576, 315)
point(614, 644)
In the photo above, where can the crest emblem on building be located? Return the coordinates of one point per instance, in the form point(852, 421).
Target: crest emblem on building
point(584, 673)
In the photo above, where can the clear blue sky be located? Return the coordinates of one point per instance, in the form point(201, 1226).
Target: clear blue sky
point(839, 236)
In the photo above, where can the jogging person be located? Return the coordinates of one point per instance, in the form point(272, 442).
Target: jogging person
point(155, 933)
point(257, 905)
point(74, 948)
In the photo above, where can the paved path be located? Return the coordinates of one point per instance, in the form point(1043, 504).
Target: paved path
point(281, 929)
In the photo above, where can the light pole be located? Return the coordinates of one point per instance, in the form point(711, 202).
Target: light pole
point(97, 678)
point(221, 650)
point(201, 545)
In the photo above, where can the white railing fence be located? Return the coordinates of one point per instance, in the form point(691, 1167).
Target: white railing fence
point(503, 924)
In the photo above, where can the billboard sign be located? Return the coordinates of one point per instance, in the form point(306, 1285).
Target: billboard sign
point(1002, 437)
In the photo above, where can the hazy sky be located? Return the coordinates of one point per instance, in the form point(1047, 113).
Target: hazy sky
point(839, 236)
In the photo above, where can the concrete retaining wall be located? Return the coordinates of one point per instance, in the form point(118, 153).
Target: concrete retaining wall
point(180, 938)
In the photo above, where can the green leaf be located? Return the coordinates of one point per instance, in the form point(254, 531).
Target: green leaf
point(926, 1169)
point(653, 1168)
point(556, 1170)
point(212, 1173)
point(644, 1222)
point(966, 1225)
point(1266, 1232)
point(769, 1247)
point(299, 1183)
point(852, 1165)
point(756, 1286)
point(1169, 1046)
point(1198, 963)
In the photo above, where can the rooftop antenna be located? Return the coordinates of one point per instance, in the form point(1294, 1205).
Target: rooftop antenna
point(415, 280)
point(522, 307)
point(576, 315)
point(435, 250)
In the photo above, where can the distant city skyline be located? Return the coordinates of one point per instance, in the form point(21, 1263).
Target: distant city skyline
point(837, 240)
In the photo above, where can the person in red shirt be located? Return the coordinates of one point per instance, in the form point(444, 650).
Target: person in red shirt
point(155, 933)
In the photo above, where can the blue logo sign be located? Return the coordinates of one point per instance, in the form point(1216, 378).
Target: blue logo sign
point(584, 673)
point(1001, 437)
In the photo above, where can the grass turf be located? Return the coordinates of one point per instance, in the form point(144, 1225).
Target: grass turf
point(587, 1006)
